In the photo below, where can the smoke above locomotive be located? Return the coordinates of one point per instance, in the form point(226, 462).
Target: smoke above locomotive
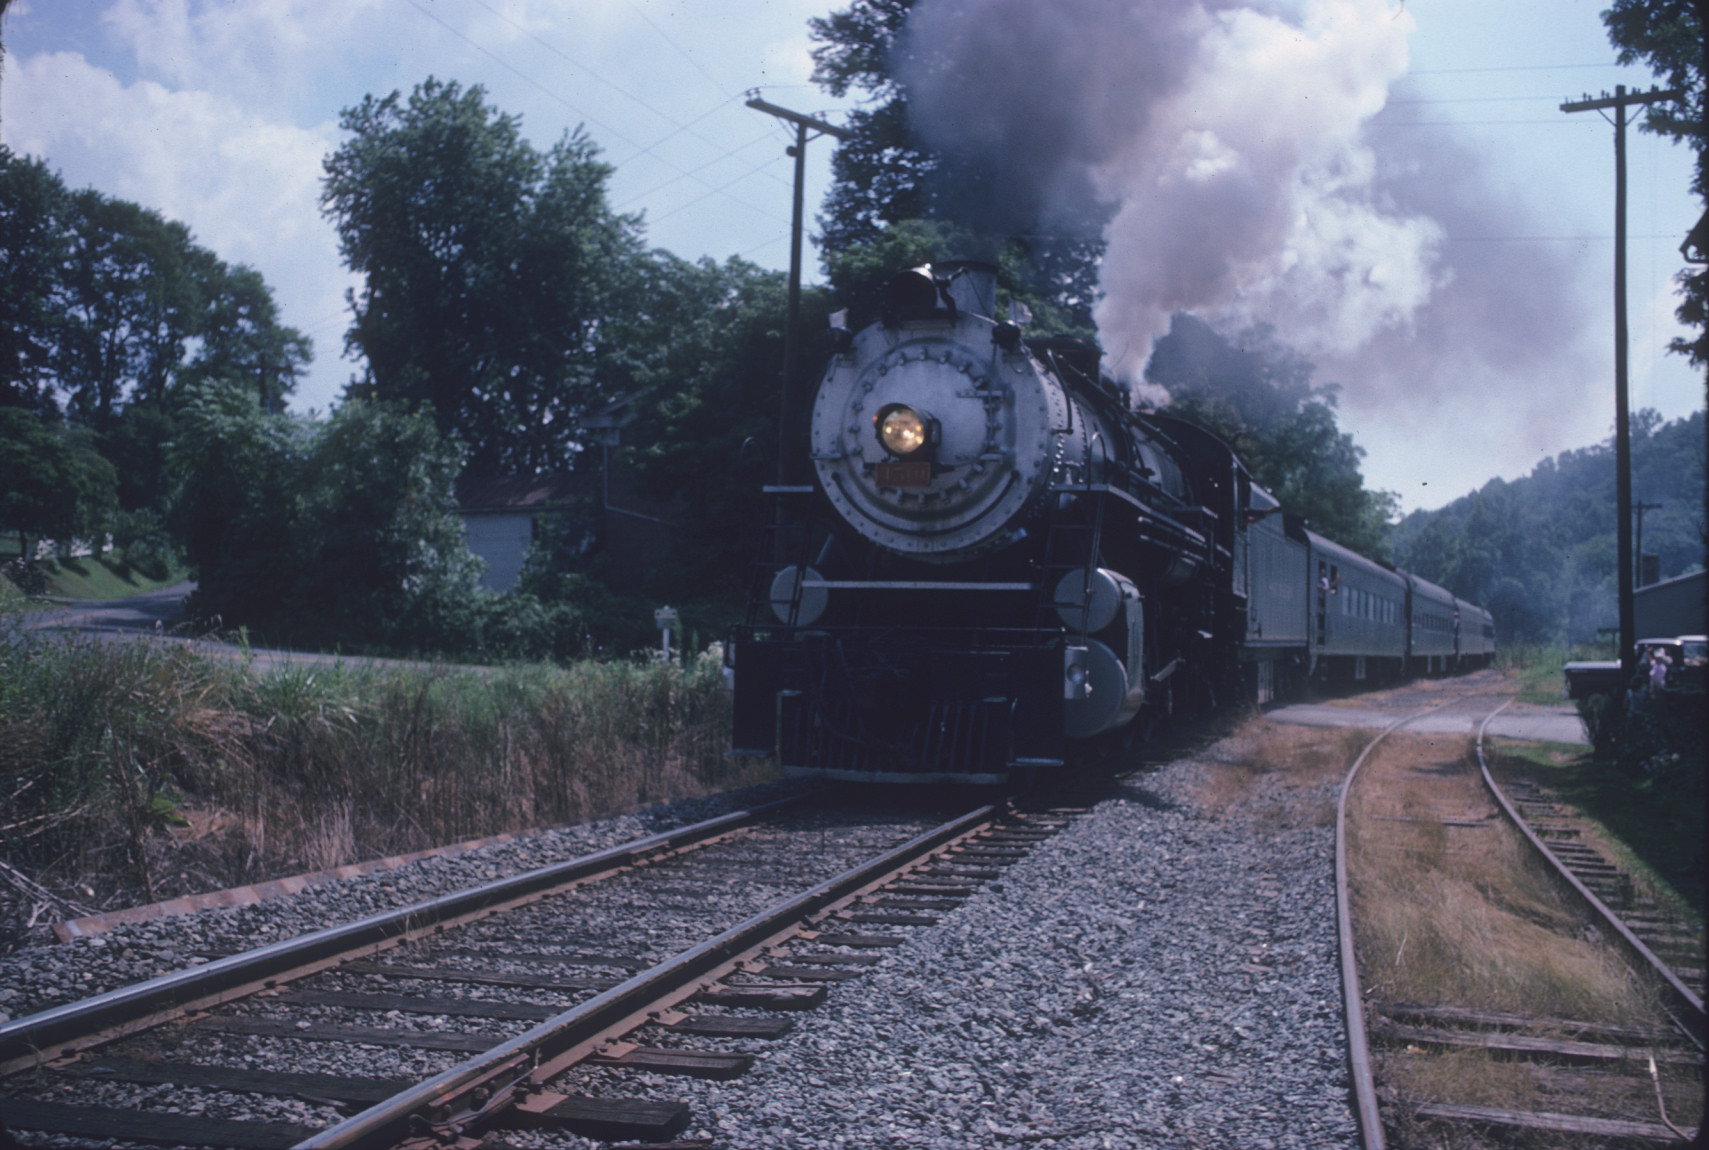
point(1236, 158)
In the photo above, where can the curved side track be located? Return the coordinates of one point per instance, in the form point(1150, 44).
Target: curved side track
point(1353, 1001)
point(1684, 1004)
point(1601, 1047)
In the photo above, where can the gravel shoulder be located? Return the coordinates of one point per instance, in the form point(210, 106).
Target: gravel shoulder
point(1162, 973)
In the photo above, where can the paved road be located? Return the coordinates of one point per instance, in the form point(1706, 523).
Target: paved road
point(1557, 723)
point(154, 614)
point(151, 612)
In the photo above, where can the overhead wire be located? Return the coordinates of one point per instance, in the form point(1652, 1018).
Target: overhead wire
point(693, 171)
point(640, 149)
point(1514, 68)
point(681, 51)
point(678, 127)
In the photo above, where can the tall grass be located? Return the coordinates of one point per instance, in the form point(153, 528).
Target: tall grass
point(115, 756)
point(1465, 915)
point(1540, 668)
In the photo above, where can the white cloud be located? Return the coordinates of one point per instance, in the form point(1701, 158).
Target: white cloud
point(247, 186)
point(261, 53)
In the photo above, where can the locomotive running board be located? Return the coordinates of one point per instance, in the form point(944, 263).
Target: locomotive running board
point(911, 585)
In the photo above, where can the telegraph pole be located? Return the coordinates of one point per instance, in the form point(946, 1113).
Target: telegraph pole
point(1619, 102)
point(1640, 507)
point(791, 342)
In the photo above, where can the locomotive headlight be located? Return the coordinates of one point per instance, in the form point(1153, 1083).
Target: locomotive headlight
point(901, 429)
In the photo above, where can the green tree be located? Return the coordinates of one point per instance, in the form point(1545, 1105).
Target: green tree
point(858, 272)
point(1671, 37)
point(879, 177)
point(706, 431)
point(886, 181)
point(491, 271)
point(36, 494)
point(236, 505)
point(334, 531)
point(129, 307)
point(109, 304)
point(52, 485)
point(32, 249)
point(385, 557)
point(242, 339)
point(1539, 551)
point(1259, 397)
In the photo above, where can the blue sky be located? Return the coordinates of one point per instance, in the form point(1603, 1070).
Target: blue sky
point(218, 112)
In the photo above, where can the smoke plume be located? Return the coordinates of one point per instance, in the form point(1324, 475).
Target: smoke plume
point(1231, 155)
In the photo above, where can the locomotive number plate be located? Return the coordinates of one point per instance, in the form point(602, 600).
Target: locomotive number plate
point(905, 474)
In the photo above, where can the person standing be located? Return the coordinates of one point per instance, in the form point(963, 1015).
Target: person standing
point(1659, 663)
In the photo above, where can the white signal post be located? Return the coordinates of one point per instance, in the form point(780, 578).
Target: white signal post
point(665, 619)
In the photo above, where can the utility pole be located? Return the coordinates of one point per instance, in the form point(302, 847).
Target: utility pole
point(269, 386)
point(1640, 507)
point(791, 341)
point(4, 4)
point(1619, 102)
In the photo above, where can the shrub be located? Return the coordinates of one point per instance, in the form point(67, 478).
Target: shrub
point(25, 576)
point(106, 748)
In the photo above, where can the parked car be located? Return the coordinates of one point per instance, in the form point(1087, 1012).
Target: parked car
point(1688, 657)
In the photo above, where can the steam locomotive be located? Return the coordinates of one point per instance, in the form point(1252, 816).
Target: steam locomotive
point(998, 562)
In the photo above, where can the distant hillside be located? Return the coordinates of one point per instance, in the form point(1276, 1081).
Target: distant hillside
point(1540, 551)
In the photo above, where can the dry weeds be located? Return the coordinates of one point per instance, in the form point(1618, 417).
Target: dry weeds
point(1294, 757)
point(133, 772)
point(1453, 908)
point(1462, 914)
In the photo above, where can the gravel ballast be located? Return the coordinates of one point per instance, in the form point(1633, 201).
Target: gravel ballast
point(1161, 973)
point(1149, 977)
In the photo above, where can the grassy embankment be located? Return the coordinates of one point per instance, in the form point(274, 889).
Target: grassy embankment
point(146, 769)
point(1537, 672)
point(107, 576)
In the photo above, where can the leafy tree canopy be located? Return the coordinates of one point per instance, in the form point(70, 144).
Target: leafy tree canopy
point(890, 191)
point(337, 530)
point(109, 304)
point(1259, 397)
point(32, 249)
point(705, 437)
point(860, 270)
point(492, 272)
point(1671, 37)
point(52, 484)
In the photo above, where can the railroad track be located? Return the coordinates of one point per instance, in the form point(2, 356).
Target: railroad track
point(1564, 1058)
point(439, 1023)
point(1654, 936)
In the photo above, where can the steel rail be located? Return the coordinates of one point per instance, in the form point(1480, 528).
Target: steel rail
point(1686, 1005)
point(1353, 1003)
point(1358, 1046)
point(38, 1038)
point(387, 1123)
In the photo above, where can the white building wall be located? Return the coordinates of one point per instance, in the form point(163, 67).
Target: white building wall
point(501, 538)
